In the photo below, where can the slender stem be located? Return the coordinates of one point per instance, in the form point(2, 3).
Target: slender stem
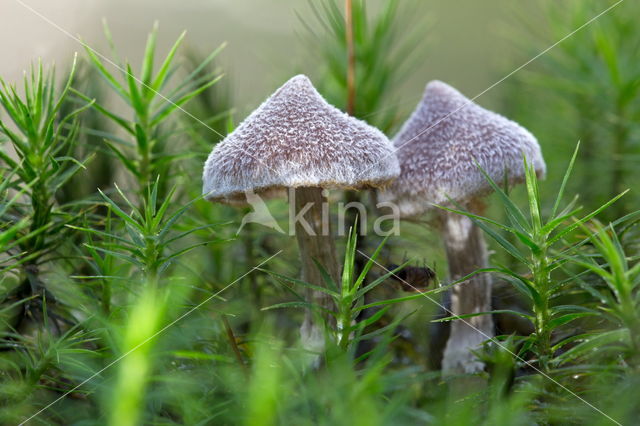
point(344, 321)
point(42, 205)
point(351, 58)
point(466, 252)
point(542, 280)
point(315, 242)
point(151, 252)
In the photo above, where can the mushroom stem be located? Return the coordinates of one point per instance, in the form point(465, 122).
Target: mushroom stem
point(351, 58)
point(313, 233)
point(466, 252)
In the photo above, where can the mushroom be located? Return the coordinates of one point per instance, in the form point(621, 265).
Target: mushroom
point(297, 141)
point(440, 149)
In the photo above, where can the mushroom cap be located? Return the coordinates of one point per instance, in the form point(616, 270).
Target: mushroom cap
point(297, 139)
point(442, 144)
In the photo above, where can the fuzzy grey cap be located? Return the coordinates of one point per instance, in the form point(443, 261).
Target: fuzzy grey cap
point(443, 142)
point(296, 139)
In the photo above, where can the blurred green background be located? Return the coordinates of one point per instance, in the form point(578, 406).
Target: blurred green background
point(465, 39)
point(85, 284)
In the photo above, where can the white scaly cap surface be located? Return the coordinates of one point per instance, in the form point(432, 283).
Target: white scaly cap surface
point(297, 139)
point(438, 154)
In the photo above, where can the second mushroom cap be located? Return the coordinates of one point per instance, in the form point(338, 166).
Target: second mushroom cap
point(445, 140)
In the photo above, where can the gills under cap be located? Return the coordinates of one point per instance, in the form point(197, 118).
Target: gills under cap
point(297, 139)
point(442, 144)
